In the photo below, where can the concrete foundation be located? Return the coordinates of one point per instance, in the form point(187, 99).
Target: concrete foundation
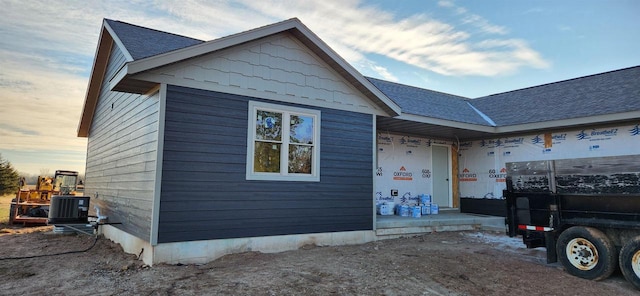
point(387, 227)
point(199, 252)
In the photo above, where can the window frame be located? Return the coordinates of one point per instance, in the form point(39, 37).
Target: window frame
point(284, 174)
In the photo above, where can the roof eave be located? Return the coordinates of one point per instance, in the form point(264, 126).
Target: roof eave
point(449, 123)
point(547, 126)
point(100, 61)
point(572, 123)
point(122, 81)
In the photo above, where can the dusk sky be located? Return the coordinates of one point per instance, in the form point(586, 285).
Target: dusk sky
point(467, 48)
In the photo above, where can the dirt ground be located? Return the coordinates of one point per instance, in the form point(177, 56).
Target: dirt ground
point(447, 263)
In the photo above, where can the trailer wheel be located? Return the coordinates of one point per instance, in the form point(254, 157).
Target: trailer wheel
point(587, 253)
point(630, 261)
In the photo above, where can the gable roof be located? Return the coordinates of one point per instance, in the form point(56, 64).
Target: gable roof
point(142, 55)
point(610, 93)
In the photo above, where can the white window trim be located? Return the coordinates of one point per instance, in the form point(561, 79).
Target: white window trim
point(284, 156)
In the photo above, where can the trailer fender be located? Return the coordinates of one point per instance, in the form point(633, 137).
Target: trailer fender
point(586, 252)
point(630, 261)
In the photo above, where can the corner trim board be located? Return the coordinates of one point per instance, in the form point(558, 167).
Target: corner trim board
point(155, 214)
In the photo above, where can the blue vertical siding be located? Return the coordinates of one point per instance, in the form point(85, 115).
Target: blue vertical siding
point(204, 192)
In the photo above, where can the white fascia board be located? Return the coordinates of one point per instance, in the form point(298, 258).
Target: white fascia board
point(117, 40)
point(591, 120)
point(448, 123)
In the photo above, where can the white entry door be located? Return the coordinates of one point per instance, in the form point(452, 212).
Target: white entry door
point(440, 175)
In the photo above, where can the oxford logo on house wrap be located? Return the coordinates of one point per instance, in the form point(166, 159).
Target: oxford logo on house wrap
point(468, 176)
point(403, 175)
point(499, 177)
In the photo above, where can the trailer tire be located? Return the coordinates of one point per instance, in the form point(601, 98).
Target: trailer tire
point(630, 261)
point(587, 253)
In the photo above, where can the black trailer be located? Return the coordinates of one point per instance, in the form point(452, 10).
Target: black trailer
point(585, 212)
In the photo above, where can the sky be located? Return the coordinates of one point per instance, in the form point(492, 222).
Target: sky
point(462, 47)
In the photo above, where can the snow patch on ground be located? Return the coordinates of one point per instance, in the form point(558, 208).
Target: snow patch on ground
point(501, 240)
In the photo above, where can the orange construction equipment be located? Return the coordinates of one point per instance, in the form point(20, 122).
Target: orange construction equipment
point(32, 206)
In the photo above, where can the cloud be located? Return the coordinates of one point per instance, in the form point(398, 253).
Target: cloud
point(483, 24)
point(473, 19)
point(565, 28)
point(446, 3)
point(47, 49)
point(353, 28)
point(534, 10)
point(36, 27)
point(16, 85)
point(11, 130)
point(383, 72)
point(356, 30)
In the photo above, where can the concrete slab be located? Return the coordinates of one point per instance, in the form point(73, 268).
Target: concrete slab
point(446, 220)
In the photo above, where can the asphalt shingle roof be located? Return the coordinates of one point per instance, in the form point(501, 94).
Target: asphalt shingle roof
point(600, 94)
point(143, 42)
point(424, 102)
